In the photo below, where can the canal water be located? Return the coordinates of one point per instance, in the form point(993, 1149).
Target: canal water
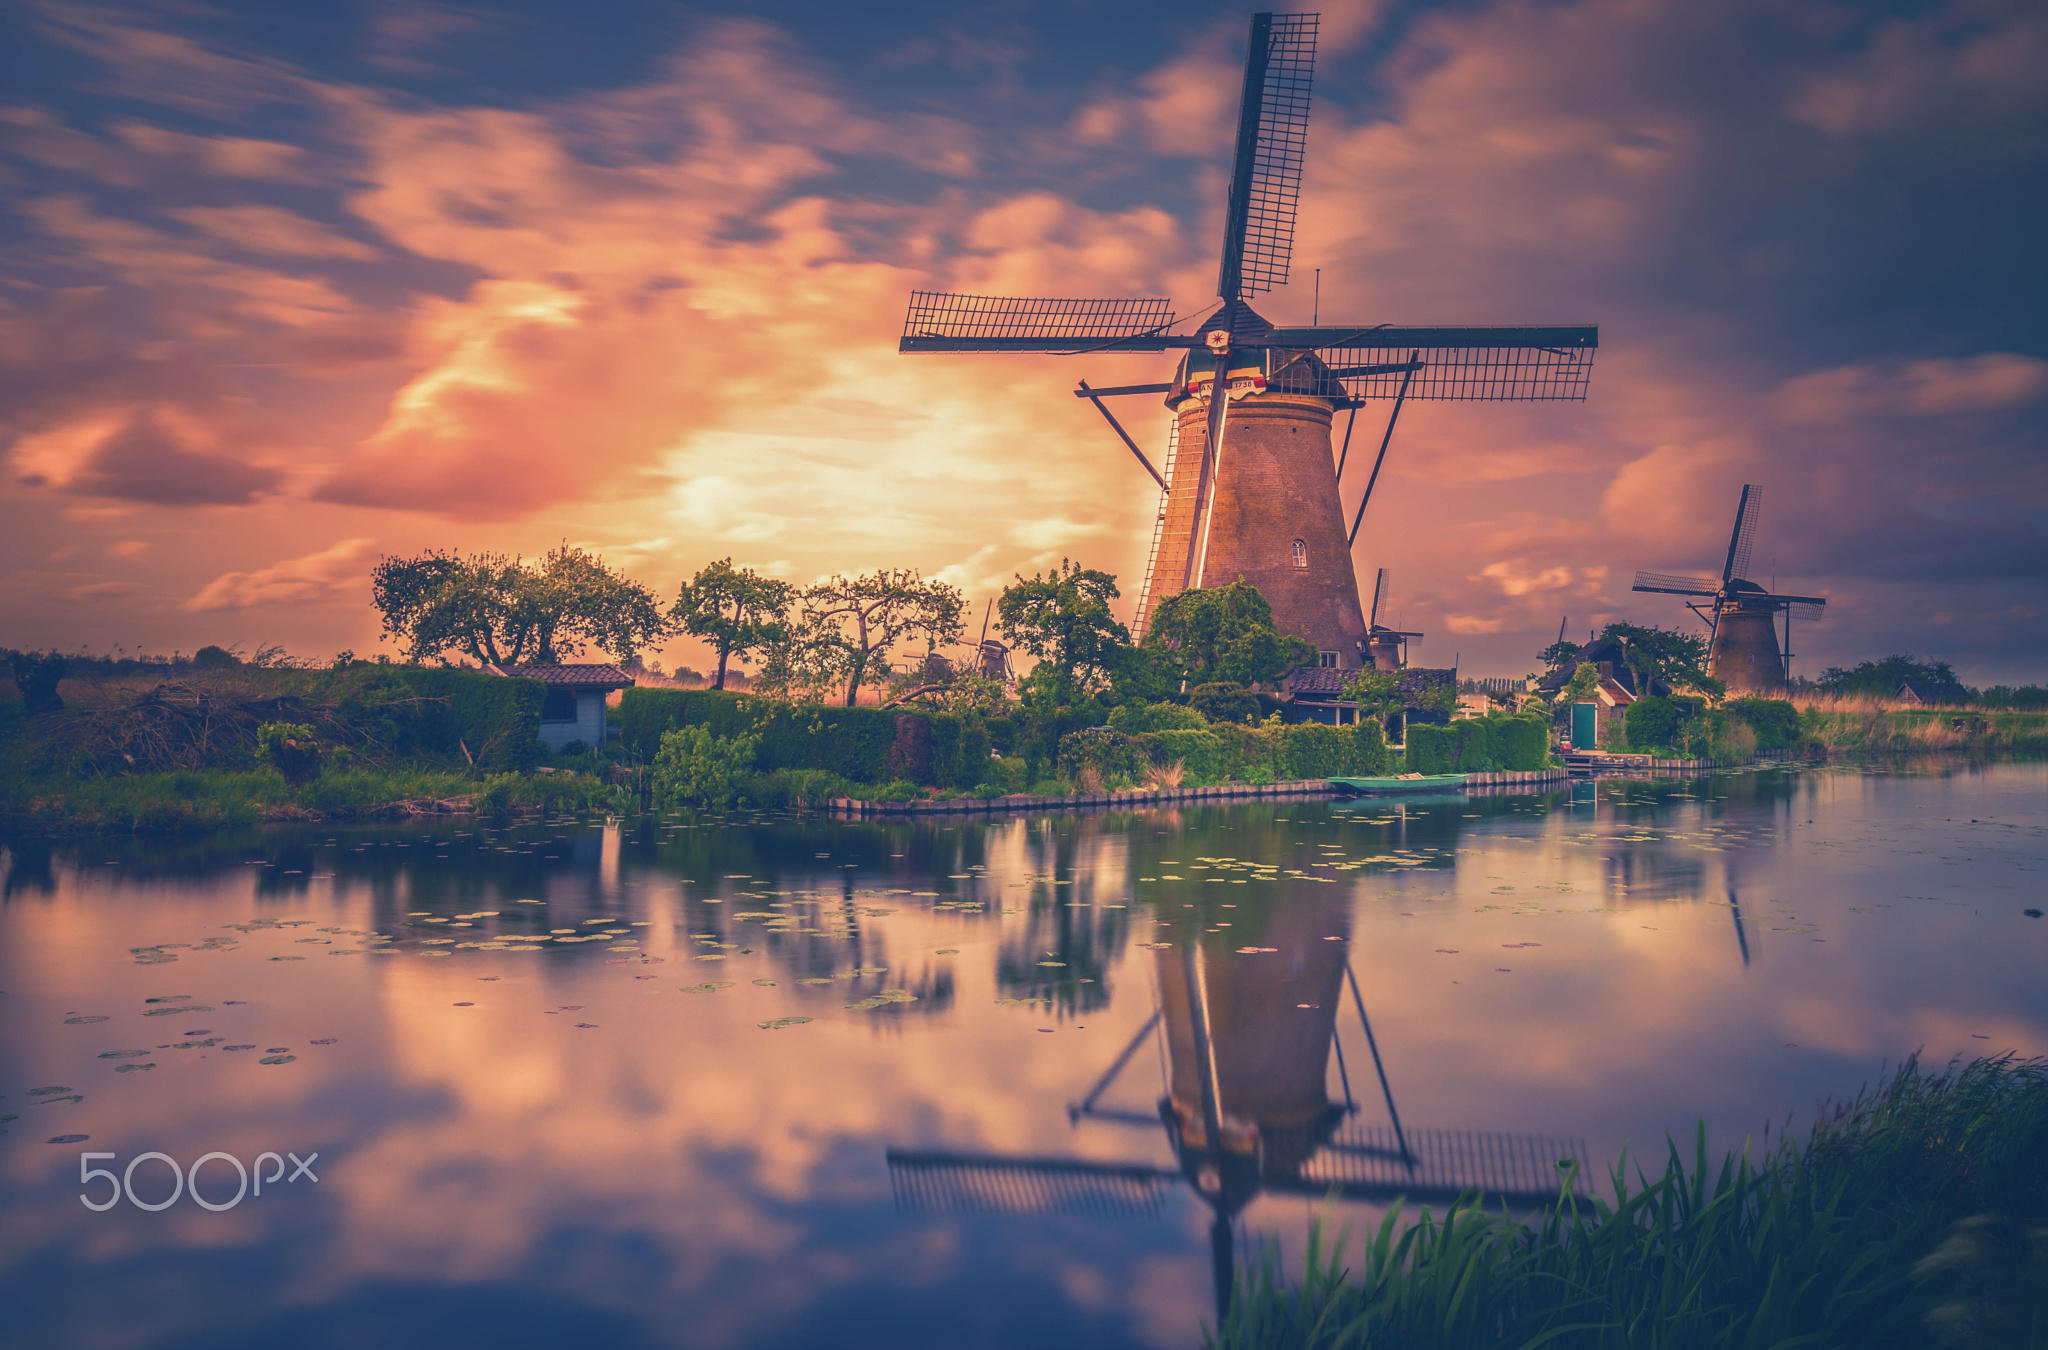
point(744, 1081)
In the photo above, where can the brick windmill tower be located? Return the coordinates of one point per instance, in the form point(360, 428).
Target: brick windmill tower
point(1743, 650)
point(1249, 486)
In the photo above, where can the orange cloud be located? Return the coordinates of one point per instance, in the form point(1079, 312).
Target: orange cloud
point(332, 573)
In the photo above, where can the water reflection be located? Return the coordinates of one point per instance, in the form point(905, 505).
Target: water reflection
point(1057, 1073)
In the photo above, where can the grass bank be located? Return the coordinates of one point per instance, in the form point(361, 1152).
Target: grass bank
point(1886, 727)
point(199, 799)
point(1916, 1215)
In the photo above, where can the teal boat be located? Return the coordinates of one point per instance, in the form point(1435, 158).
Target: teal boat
point(1384, 787)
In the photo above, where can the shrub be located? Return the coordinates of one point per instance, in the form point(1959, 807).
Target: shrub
point(1774, 720)
point(1651, 723)
point(571, 749)
point(693, 766)
point(1101, 750)
point(1224, 702)
point(291, 748)
point(1131, 718)
point(1199, 753)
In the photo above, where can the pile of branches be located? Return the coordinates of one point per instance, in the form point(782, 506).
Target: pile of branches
point(177, 725)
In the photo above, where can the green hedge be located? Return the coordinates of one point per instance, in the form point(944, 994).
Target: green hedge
point(1479, 745)
point(1651, 723)
point(863, 745)
point(1264, 753)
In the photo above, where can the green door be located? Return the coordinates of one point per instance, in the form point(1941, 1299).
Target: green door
point(1585, 726)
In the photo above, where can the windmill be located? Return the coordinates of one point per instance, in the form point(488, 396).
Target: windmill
point(1385, 648)
point(1742, 647)
point(1245, 1108)
point(1247, 486)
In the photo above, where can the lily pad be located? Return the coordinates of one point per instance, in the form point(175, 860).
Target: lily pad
point(711, 988)
point(46, 1091)
point(778, 1023)
point(277, 1059)
point(123, 1054)
point(83, 1020)
point(132, 1068)
point(69, 1138)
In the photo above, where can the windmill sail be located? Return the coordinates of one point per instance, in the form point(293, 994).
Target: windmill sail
point(1272, 140)
point(938, 321)
point(1743, 538)
point(1456, 365)
point(1671, 583)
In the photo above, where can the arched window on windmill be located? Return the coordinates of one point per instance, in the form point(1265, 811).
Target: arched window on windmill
point(1301, 553)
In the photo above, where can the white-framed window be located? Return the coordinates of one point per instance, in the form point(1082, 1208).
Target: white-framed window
point(1301, 553)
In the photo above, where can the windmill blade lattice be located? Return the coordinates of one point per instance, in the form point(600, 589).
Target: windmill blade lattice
point(1744, 537)
point(1672, 583)
point(1457, 365)
point(968, 1183)
point(938, 321)
point(1258, 248)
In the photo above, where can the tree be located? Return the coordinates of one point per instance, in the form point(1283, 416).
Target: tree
point(1881, 679)
point(1063, 618)
point(504, 610)
point(1376, 692)
point(1226, 635)
point(1558, 653)
point(867, 616)
point(1666, 656)
point(737, 610)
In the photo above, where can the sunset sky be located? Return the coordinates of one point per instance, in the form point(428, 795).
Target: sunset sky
point(285, 287)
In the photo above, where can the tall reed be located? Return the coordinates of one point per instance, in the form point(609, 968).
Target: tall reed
point(1915, 1215)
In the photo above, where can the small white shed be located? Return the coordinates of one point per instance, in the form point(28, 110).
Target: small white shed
point(574, 708)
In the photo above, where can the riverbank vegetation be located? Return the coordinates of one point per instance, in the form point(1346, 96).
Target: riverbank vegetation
point(1916, 1215)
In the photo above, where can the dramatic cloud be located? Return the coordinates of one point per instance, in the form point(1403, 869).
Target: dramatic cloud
point(454, 284)
point(332, 573)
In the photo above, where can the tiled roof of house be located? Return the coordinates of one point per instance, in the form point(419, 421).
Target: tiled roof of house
point(1327, 682)
point(570, 676)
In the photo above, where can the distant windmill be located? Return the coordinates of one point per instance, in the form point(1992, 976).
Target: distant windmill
point(1386, 648)
point(1269, 511)
point(1245, 1109)
point(1743, 649)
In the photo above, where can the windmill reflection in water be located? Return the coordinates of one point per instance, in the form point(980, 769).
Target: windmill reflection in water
point(1245, 1046)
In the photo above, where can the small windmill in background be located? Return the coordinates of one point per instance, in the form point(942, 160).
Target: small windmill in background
point(1742, 647)
point(1386, 648)
point(1270, 510)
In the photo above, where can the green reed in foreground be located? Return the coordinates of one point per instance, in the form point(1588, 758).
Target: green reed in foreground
point(1916, 1215)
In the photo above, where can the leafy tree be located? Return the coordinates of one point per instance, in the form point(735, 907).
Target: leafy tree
point(803, 661)
point(1377, 692)
point(1665, 655)
point(867, 616)
point(737, 610)
point(1063, 618)
point(505, 610)
point(1881, 679)
point(211, 657)
point(1226, 635)
point(1558, 653)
